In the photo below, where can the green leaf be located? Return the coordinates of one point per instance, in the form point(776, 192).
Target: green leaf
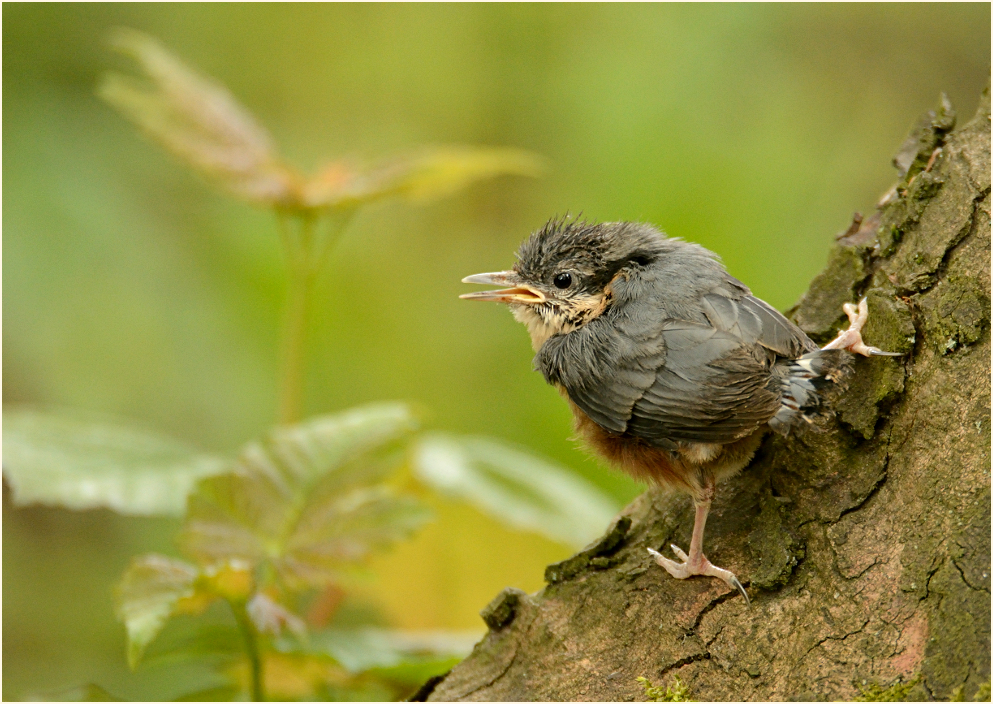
point(195, 641)
point(415, 673)
point(83, 693)
point(220, 693)
point(425, 175)
point(309, 499)
point(514, 486)
point(147, 595)
point(198, 120)
point(84, 462)
point(362, 649)
point(361, 691)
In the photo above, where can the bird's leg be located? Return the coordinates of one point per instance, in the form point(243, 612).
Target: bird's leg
point(696, 562)
point(851, 339)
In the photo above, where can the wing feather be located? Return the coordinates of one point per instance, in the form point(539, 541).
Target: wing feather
point(641, 370)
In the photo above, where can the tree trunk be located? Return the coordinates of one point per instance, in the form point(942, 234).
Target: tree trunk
point(865, 547)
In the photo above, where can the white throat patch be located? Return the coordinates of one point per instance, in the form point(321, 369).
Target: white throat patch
point(539, 330)
point(551, 320)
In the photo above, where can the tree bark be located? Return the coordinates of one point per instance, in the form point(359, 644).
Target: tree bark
point(865, 547)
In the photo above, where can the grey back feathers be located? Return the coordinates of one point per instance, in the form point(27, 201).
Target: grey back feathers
point(683, 352)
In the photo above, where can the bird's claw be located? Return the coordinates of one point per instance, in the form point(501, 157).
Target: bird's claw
point(702, 566)
point(851, 339)
point(876, 352)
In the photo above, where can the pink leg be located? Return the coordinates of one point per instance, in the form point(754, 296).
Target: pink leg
point(696, 562)
point(851, 339)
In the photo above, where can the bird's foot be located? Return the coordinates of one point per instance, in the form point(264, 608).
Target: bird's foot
point(851, 339)
point(700, 566)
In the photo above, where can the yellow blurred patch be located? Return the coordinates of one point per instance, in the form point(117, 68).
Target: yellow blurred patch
point(195, 603)
point(293, 676)
point(232, 580)
point(454, 566)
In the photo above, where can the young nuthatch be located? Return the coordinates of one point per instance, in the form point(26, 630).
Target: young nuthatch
point(673, 369)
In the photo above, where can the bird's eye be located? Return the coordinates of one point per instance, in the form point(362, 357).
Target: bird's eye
point(563, 280)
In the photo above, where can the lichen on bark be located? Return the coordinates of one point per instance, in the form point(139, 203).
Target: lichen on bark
point(865, 547)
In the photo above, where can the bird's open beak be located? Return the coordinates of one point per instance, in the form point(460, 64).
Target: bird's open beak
point(515, 293)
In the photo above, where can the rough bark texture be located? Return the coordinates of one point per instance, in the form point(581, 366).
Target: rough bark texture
point(865, 547)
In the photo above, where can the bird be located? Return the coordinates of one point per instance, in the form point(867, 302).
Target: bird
point(673, 370)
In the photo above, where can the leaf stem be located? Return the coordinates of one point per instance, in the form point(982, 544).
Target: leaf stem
point(307, 249)
point(251, 647)
point(299, 246)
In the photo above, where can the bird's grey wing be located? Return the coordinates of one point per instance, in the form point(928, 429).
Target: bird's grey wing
point(713, 388)
point(605, 366)
point(753, 321)
point(717, 384)
point(634, 372)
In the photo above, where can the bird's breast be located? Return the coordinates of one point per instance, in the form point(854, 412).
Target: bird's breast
point(636, 457)
point(685, 469)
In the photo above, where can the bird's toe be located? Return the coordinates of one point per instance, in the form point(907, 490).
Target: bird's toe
point(679, 570)
point(851, 339)
point(727, 576)
point(703, 566)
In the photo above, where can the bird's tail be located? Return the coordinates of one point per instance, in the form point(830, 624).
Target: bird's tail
point(805, 383)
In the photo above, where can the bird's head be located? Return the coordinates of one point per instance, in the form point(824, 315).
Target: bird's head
point(564, 273)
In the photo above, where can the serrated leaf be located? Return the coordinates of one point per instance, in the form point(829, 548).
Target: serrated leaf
point(198, 120)
point(83, 462)
point(516, 487)
point(309, 499)
point(147, 595)
point(426, 175)
point(334, 529)
point(362, 649)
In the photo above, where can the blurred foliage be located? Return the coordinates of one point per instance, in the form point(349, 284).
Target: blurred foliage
point(287, 519)
point(514, 486)
point(82, 460)
point(131, 290)
point(309, 498)
point(201, 122)
point(282, 520)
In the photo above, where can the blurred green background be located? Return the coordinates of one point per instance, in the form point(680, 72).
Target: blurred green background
point(133, 288)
